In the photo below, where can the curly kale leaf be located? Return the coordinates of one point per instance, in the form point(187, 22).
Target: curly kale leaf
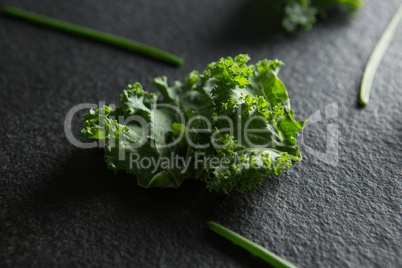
point(229, 126)
point(303, 13)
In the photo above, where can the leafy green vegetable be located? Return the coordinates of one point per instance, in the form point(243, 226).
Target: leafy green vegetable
point(303, 13)
point(250, 246)
point(92, 34)
point(229, 126)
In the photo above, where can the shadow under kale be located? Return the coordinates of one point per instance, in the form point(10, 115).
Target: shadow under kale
point(85, 176)
point(84, 202)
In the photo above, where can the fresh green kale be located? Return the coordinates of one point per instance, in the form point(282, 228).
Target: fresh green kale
point(229, 126)
point(303, 13)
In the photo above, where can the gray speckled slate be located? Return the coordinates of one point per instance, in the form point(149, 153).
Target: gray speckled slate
point(60, 206)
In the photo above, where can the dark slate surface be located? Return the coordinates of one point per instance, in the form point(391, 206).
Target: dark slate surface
point(60, 206)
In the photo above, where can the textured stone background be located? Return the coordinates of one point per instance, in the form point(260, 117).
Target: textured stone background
point(60, 206)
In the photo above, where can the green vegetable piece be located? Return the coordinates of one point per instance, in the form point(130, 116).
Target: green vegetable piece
point(377, 55)
point(303, 13)
point(233, 117)
point(93, 34)
point(250, 246)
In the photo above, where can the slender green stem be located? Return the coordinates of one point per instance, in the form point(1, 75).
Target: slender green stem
point(377, 55)
point(251, 247)
point(93, 34)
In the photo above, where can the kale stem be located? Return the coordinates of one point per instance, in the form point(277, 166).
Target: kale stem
point(251, 247)
point(93, 34)
point(377, 55)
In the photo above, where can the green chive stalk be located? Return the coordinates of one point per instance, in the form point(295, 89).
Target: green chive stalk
point(93, 34)
point(250, 246)
point(377, 55)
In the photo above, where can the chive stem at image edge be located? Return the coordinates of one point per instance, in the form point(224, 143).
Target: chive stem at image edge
point(377, 55)
point(250, 246)
point(93, 34)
